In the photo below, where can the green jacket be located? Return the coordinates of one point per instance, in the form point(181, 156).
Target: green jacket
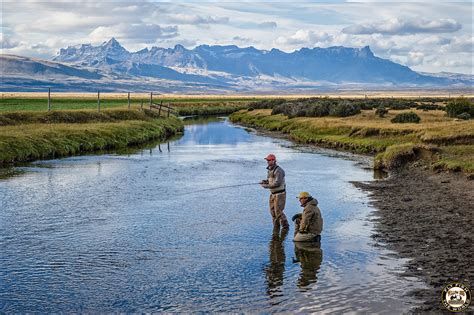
point(311, 220)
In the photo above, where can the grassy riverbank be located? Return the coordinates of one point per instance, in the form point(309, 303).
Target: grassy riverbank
point(28, 136)
point(445, 143)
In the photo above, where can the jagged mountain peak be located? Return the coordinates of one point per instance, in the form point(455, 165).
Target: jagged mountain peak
point(336, 64)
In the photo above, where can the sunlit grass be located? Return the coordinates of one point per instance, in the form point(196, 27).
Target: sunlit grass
point(449, 141)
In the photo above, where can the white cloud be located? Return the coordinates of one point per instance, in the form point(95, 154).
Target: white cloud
point(268, 25)
point(241, 39)
point(181, 18)
point(304, 37)
point(399, 26)
point(7, 43)
point(146, 33)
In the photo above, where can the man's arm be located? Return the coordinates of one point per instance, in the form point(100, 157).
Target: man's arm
point(305, 220)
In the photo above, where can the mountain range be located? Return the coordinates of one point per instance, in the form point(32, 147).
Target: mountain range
point(211, 69)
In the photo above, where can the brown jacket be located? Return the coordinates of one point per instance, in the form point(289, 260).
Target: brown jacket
point(311, 221)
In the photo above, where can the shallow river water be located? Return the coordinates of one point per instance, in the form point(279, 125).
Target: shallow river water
point(169, 229)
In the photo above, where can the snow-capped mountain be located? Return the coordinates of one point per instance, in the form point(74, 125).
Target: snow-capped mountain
point(230, 68)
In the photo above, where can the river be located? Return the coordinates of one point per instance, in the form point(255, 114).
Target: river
point(182, 227)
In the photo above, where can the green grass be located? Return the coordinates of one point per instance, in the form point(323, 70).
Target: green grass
point(441, 141)
point(70, 116)
point(80, 103)
point(456, 158)
point(30, 141)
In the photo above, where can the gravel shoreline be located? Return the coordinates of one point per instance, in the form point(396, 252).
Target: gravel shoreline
point(428, 218)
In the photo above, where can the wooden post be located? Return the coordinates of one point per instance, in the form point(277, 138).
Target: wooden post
point(128, 100)
point(159, 109)
point(169, 109)
point(98, 101)
point(49, 99)
point(141, 106)
point(151, 99)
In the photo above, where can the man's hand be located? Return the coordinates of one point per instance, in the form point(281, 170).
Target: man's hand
point(296, 216)
point(264, 183)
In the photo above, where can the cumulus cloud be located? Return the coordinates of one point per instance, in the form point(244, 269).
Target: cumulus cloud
point(415, 58)
point(397, 26)
point(196, 19)
point(304, 37)
point(146, 33)
point(241, 39)
point(188, 43)
point(7, 43)
point(461, 44)
point(267, 25)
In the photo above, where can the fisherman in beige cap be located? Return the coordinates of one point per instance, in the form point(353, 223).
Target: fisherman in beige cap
point(309, 224)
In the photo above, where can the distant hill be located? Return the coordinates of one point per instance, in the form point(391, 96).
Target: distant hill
point(220, 68)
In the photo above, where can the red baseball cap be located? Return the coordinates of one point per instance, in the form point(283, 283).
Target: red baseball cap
point(270, 157)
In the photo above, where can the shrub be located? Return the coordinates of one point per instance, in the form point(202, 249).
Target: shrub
point(284, 109)
point(381, 111)
point(267, 104)
point(465, 116)
point(427, 107)
point(458, 106)
point(409, 117)
point(399, 103)
point(318, 110)
point(344, 109)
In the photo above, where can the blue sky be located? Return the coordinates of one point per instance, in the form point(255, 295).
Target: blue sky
point(424, 36)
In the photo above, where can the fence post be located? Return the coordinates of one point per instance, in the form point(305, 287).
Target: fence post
point(159, 109)
point(49, 99)
point(141, 106)
point(169, 109)
point(98, 101)
point(151, 99)
point(128, 100)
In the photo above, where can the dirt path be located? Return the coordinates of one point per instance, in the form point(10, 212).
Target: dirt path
point(427, 218)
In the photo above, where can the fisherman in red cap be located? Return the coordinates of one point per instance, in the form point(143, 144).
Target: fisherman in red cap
point(276, 183)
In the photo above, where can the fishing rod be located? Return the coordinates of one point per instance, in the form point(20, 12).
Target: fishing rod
point(216, 188)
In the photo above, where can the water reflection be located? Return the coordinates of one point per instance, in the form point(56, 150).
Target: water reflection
point(309, 255)
point(201, 120)
point(159, 147)
point(275, 270)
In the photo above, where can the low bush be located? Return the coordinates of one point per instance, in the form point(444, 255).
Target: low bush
point(409, 117)
point(344, 109)
point(427, 107)
point(381, 111)
point(465, 116)
point(459, 106)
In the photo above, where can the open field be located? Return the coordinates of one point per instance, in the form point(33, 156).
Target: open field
point(106, 101)
point(184, 104)
point(444, 142)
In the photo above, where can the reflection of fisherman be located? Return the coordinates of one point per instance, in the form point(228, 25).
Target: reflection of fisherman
point(309, 224)
point(309, 255)
point(275, 269)
point(276, 183)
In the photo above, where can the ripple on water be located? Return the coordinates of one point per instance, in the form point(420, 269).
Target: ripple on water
point(169, 231)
